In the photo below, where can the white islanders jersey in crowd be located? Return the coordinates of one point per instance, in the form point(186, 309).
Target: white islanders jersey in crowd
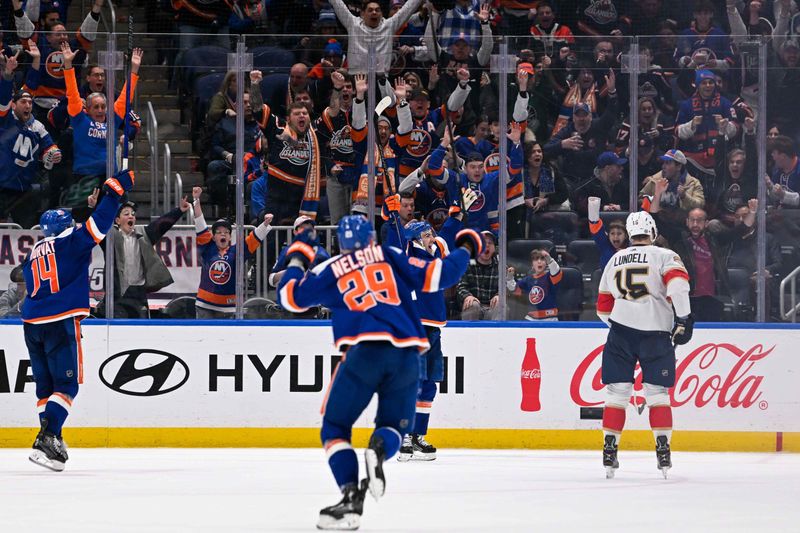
point(638, 286)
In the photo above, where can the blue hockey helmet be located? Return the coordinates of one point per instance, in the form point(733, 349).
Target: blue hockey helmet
point(54, 221)
point(414, 230)
point(354, 232)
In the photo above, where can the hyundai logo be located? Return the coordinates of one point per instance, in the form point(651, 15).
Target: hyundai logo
point(144, 372)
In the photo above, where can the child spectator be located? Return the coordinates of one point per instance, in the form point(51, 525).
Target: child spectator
point(610, 240)
point(540, 286)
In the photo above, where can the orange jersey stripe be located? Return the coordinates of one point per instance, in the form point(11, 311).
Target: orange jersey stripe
point(219, 299)
point(80, 311)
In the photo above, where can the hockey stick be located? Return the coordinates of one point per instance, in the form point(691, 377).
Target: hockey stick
point(126, 120)
point(383, 105)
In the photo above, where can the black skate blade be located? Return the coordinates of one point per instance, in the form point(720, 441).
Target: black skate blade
point(38, 457)
point(591, 413)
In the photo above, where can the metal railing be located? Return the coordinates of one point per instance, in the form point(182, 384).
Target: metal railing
point(152, 141)
point(166, 179)
point(790, 280)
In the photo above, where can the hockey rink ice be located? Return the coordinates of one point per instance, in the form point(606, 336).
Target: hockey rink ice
point(248, 490)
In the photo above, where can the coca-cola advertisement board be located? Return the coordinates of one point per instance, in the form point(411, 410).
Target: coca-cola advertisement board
point(539, 378)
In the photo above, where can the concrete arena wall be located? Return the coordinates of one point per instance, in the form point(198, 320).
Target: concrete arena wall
point(206, 384)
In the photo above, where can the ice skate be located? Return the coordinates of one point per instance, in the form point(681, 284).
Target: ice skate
point(49, 451)
point(663, 454)
point(345, 515)
point(423, 450)
point(406, 450)
point(374, 457)
point(610, 456)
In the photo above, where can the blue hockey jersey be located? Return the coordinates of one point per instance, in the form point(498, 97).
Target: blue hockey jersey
point(57, 268)
point(431, 306)
point(540, 291)
point(21, 144)
point(217, 289)
point(369, 293)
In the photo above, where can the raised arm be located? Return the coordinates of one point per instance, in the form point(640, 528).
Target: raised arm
point(136, 62)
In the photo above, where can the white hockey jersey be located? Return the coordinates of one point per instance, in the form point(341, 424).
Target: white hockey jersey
point(639, 287)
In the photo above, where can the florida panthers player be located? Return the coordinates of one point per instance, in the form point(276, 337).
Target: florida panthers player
point(644, 298)
point(377, 327)
point(57, 280)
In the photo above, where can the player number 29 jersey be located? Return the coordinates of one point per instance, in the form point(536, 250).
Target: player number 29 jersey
point(635, 287)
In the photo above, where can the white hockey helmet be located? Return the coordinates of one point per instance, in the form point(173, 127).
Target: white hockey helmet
point(641, 223)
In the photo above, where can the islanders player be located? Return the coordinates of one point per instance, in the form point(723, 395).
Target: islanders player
point(377, 327)
point(216, 296)
point(644, 298)
point(57, 281)
point(421, 241)
point(541, 286)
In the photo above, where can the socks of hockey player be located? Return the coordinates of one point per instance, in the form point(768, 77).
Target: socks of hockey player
point(661, 421)
point(613, 421)
point(56, 411)
point(391, 440)
point(343, 461)
point(427, 392)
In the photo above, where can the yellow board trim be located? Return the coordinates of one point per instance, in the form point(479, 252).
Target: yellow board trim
point(711, 441)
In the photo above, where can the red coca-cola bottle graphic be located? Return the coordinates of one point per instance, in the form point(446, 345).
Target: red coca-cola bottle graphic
point(531, 378)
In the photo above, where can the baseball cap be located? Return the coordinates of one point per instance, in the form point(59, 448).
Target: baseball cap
point(526, 66)
point(221, 223)
point(610, 158)
point(333, 48)
point(581, 106)
point(130, 204)
point(674, 155)
point(704, 74)
point(19, 95)
point(489, 235)
point(790, 43)
point(419, 92)
point(302, 219)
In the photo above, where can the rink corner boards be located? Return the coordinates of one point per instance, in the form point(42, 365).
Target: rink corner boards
point(711, 441)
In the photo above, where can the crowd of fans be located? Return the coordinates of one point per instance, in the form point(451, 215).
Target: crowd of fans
point(568, 136)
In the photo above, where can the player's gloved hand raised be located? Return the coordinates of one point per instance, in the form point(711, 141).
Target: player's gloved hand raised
point(390, 205)
point(303, 249)
point(471, 241)
point(682, 330)
point(121, 182)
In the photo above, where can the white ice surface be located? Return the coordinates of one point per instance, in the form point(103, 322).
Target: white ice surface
point(221, 490)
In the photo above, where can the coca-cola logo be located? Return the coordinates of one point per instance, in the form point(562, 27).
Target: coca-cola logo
point(532, 374)
point(720, 374)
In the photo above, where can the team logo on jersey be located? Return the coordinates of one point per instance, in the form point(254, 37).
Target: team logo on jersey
point(492, 162)
point(296, 153)
point(24, 150)
point(55, 64)
point(144, 372)
point(536, 295)
point(420, 143)
point(341, 141)
point(220, 272)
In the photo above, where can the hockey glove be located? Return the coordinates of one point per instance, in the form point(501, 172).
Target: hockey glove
point(471, 241)
point(391, 205)
point(682, 330)
point(303, 249)
point(468, 197)
point(121, 182)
